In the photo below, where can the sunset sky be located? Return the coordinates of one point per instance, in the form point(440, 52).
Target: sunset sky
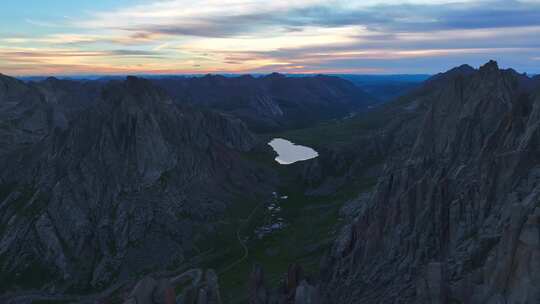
point(67, 37)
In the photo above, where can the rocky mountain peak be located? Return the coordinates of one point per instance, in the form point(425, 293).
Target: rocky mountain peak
point(51, 79)
point(462, 70)
point(246, 77)
point(3, 77)
point(213, 77)
point(135, 92)
point(490, 66)
point(275, 75)
point(124, 183)
point(134, 83)
point(6, 79)
point(451, 222)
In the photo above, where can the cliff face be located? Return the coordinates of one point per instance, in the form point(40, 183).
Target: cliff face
point(126, 185)
point(455, 217)
point(30, 111)
point(24, 115)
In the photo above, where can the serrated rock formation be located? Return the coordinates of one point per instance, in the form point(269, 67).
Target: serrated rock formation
point(271, 102)
point(454, 217)
point(125, 186)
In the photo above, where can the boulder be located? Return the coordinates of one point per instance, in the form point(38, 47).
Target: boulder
point(306, 294)
point(258, 293)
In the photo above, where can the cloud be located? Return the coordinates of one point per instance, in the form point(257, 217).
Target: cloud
point(10, 54)
point(38, 61)
point(41, 23)
point(425, 17)
point(288, 36)
point(209, 18)
point(357, 60)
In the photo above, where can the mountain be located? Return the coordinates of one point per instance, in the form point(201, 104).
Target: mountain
point(136, 188)
point(24, 116)
point(69, 96)
point(29, 111)
point(128, 182)
point(386, 87)
point(272, 102)
point(455, 214)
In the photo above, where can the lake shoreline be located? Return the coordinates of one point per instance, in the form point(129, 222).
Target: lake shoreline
point(290, 153)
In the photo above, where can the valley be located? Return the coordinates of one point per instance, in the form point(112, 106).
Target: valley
point(101, 196)
point(270, 152)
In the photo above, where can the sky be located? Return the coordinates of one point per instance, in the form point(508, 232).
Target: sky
point(67, 37)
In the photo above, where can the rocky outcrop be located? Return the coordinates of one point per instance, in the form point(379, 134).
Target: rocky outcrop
point(258, 294)
point(453, 218)
point(150, 291)
point(306, 294)
point(125, 187)
point(295, 289)
point(195, 288)
point(25, 117)
point(69, 97)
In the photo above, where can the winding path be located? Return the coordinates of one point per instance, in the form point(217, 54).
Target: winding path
point(241, 242)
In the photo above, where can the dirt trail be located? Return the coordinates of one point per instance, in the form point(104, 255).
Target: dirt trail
point(240, 241)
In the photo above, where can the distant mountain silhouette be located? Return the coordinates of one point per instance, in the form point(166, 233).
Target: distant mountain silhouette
point(386, 87)
point(271, 102)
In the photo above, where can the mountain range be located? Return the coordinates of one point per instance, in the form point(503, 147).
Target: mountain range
point(154, 190)
point(86, 195)
point(272, 102)
point(454, 217)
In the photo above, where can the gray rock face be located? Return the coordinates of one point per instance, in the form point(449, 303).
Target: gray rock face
point(258, 294)
point(126, 185)
point(202, 290)
point(144, 291)
point(454, 216)
point(295, 289)
point(306, 294)
point(194, 289)
point(25, 117)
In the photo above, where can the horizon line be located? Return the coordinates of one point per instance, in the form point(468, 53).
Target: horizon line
point(211, 74)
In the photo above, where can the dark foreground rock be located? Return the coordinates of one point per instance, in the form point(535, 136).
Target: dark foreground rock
point(197, 287)
point(294, 289)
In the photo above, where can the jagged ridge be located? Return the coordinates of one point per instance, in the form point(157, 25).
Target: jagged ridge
point(455, 217)
point(126, 185)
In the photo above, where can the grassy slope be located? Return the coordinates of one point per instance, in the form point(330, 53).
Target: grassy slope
point(312, 222)
point(336, 132)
